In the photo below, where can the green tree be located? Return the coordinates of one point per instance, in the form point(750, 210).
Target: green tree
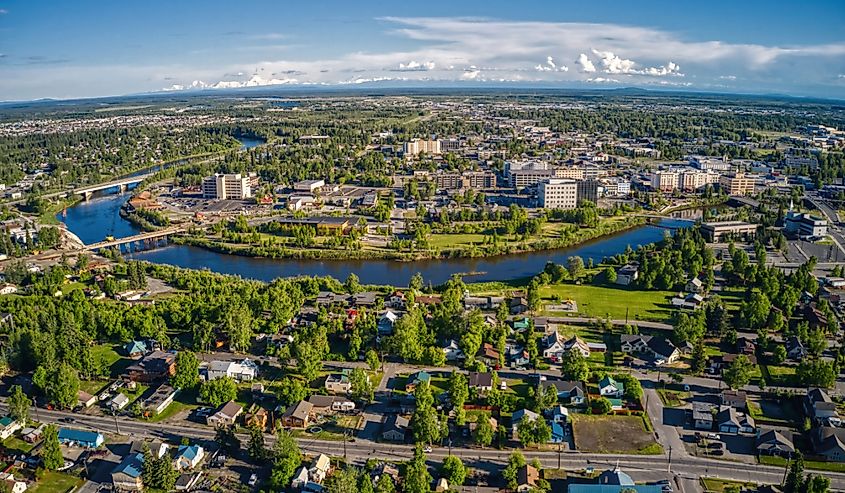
point(515, 461)
point(19, 405)
point(575, 266)
point(187, 371)
point(362, 387)
point(417, 478)
point(610, 274)
point(352, 284)
point(216, 392)
point(738, 373)
point(385, 484)
point(51, 450)
point(454, 471)
point(373, 360)
point(483, 433)
point(255, 448)
point(795, 478)
point(533, 295)
point(813, 372)
point(602, 405)
point(291, 390)
point(238, 325)
point(779, 354)
point(343, 480)
point(424, 421)
point(227, 439)
point(286, 459)
point(458, 394)
point(698, 357)
point(574, 366)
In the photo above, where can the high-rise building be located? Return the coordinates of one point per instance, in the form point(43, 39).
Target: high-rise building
point(664, 181)
point(558, 193)
point(523, 178)
point(587, 190)
point(226, 186)
point(417, 146)
point(736, 184)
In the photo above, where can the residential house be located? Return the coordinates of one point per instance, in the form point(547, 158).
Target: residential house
point(394, 428)
point(386, 322)
point(226, 415)
point(819, 407)
point(8, 289)
point(338, 384)
point(117, 402)
point(188, 457)
point(559, 414)
point(441, 485)
point(488, 355)
point(324, 404)
point(729, 420)
point(126, 476)
point(627, 274)
point(12, 484)
point(135, 349)
point(87, 439)
point(366, 298)
point(300, 478)
point(157, 365)
point(736, 399)
point(745, 346)
point(568, 391)
point(577, 344)
point(773, 442)
point(520, 324)
point(661, 350)
point(829, 442)
point(416, 379)
point(8, 427)
point(518, 304)
point(158, 449)
point(558, 432)
point(608, 387)
point(694, 285)
point(518, 416)
point(517, 356)
point(453, 351)
point(85, 399)
point(553, 346)
point(297, 415)
point(256, 416)
point(481, 381)
point(319, 468)
point(396, 300)
point(527, 477)
point(243, 371)
point(32, 435)
point(795, 349)
point(702, 415)
point(690, 301)
point(160, 399)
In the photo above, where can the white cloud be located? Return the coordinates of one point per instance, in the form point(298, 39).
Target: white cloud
point(254, 81)
point(551, 66)
point(727, 77)
point(613, 64)
point(603, 80)
point(670, 68)
point(414, 65)
point(585, 63)
point(3, 11)
point(470, 73)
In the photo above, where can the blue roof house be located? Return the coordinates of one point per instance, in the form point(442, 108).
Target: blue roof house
point(88, 439)
point(558, 433)
point(127, 475)
point(135, 349)
point(188, 456)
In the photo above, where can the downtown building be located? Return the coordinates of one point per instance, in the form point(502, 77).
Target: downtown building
point(736, 184)
point(417, 146)
point(227, 187)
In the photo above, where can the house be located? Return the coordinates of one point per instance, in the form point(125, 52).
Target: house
point(396, 300)
point(366, 298)
point(12, 485)
point(819, 407)
point(553, 346)
point(661, 350)
point(627, 274)
point(577, 344)
point(488, 355)
point(386, 322)
point(728, 420)
point(517, 356)
point(520, 324)
point(568, 392)
point(158, 449)
point(559, 414)
point(226, 415)
point(615, 477)
point(736, 399)
point(829, 442)
point(635, 343)
point(300, 478)
point(297, 415)
point(482, 381)
point(188, 457)
point(187, 481)
point(691, 301)
point(518, 416)
point(323, 404)
point(319, 468)
point(702, 415)
point(773, 442)
point(256, 416)
point(85, 399)
point(118, 402)
point(243, 371)
point(608, 387)
point(160, 399)
point(32, 435)
point(745, 345)
point(126, 476)
point(394, 428)
point(526, 478)
point(135, 349)
point(518, 304)
point(694, 285)
point(157, 365)
point(8, 427)
point(338, 384)
point(87, 439)
point(453, 351)
point(795, 349)
point(416, 379)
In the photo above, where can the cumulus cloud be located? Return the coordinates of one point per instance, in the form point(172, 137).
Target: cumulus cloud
point(413, 65)
point(254, 81)
point(613, 64)
point(470, 73)
point(550, 66)
point(603, 80)
point(727, 77)
point(670, 68)
point(585, 63)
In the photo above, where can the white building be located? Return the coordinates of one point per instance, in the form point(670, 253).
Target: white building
point(417, 146)
point(226, 186)
point(664, 181)
point(558, 193)
point(243, 371)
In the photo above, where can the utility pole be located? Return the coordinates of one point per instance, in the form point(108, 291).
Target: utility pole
point(116, 424)
point(559, 451)
point(345, 433)
point(669, 468)
point(786, 470)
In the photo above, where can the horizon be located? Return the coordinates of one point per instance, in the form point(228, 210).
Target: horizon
point(91, 50)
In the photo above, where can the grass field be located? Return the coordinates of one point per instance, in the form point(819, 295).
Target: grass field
point(56, 482)
point(16, 445)
point(673, 398)
point(601, 301)
point(779, 375)
point(717, 485)
point(613, 435)
point(808, 464)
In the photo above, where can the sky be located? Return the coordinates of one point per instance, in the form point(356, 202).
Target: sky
point(62, 49)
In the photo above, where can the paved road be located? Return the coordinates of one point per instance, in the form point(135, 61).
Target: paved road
point(491, 460)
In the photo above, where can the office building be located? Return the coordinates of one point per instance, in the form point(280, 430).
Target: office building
point(804, 225)
point(715, 231)
point(524, 178)
point(691, 180)
point(226, 186)
point(558, 193)
point(736, 184)
point(417, 146)
point(587, 190)
point(664, 181)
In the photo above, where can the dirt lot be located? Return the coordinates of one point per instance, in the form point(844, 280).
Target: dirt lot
point(613, 434)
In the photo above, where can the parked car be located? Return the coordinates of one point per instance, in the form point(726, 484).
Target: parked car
point(253, 479)
point(713, 436)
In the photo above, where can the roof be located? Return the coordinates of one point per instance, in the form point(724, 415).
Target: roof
point(324, 400)
point(300, 410)
point(608, 381)
point(527, 474)
point(189, 452)
point(322, 462)
point(82, 436)
point(611, 488)
point(420, 376)
point(773, 439)
point(615, 477)
point(480, 379)
point(132, 465)
point(567, 386)
point(396, 422)
point(136, 347)
point(518, 415)
point(662, 346)
point(5, 421)
point(702, 411)
point(230, 409)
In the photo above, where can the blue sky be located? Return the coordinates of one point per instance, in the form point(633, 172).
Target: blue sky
point(87, 48)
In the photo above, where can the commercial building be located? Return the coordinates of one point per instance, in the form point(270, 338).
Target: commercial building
point(664, 181)
point(558, 193)
point(691, 180)
point(616, 187)
point(714, 231)
point(81, 438)
point(417, 146)
point(226, 186)
point(708, 163)
point(309, 186)
point(587, 190)
point(804, 225)
point(524, 178)
point(736, 184)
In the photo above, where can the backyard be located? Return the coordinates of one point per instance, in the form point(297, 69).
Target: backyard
point(613, 435)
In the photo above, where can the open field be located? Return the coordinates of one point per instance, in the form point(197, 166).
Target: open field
point(615, 301)
point(717, 485)
point(56, 482)
point(808, 464)
point(613, 435)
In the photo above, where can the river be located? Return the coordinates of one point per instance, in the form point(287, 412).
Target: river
point(99, 217)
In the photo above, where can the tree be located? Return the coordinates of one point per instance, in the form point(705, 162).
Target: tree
point(483, 434)
point(633, 388)
point(795, 479)
point(574, 366)
point(216, 392)
point(433, 356)
point(227, 439)
point(779, 354)
point(19, 405)
point(817, 484)
point(813, 372)
point(458, 394)
point(454, 471)
point(533, 295)
point(352, 284)
point(610, 274)
point(738, 373)
point(158, 472)
point(509, 473)
point(816, 342)
point(417, 478)
point(416, 282)
point(575, 266)
point(372, 360)
point(238, 325)
point(309, 361)
point(292, 389)
point(424, 422)
point(286, 459)
point(51, 451)
point(362, 387)
point(602, 405)
point(698, 357)
point(385, 484)
point(187, 371)
point(545, 398)
point(59, 383)
point(256, 449)
point(343, 481)
point(533, 431)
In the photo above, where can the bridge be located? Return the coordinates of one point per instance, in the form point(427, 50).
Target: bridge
point(150, 235)
point(121, 184)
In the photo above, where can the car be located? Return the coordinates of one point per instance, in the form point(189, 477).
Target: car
point(253, 479)
point(713, 436)
point(427, 450)
point(67, 420)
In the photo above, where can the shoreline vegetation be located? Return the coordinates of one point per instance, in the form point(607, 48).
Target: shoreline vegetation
point(572, 238)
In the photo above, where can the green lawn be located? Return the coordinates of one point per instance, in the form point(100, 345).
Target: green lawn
point(18, 446)
point(172, 410)
point(808, 464)
point(56, 482)
point(779, 375)
point(673, 398)
point(442, 241)
point(616, 301)
point(717, 485)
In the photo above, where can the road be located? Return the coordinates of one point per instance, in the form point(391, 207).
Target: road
point(358, 451)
